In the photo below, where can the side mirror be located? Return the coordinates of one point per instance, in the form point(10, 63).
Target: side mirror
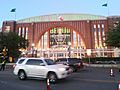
point(42, 64)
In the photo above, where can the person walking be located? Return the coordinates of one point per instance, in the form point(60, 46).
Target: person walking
point(3, 65)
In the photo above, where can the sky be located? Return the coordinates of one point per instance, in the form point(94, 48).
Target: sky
point(30, 8)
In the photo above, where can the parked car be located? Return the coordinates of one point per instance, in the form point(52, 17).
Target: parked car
point(74, 63)
point(40, 67)
point(106, 62)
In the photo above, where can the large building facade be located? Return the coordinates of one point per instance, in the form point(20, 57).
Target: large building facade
point(64, 35)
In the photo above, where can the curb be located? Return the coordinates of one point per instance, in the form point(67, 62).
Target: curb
point(103, 65)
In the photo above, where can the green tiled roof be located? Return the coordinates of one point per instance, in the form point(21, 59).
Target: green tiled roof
point(66, 17)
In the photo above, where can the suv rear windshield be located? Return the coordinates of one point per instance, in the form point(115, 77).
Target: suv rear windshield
point(21, 61)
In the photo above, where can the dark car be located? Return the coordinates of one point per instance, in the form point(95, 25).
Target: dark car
point(74, 63)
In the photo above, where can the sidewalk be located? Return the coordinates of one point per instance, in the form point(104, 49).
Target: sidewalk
point(103, 65)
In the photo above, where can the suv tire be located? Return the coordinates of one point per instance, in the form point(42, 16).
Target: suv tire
point(52, 77)
point(21, 75)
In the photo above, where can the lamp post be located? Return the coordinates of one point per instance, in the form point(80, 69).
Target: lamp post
point(35, 52)
point(33, 49)
point(69, 49)
point(89, 54)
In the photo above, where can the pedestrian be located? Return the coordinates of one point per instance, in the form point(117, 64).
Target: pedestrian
point(3, 65)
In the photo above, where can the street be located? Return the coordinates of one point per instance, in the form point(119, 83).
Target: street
point(86, 79)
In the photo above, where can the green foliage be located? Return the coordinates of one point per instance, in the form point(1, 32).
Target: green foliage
point(113, 36)
point(13, 43)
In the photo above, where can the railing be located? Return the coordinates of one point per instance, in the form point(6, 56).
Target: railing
point(79, 52)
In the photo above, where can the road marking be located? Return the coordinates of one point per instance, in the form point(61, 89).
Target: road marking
point(3, 82)
point(101, 81)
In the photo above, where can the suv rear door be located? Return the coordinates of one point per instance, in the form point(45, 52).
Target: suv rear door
point(35, 67)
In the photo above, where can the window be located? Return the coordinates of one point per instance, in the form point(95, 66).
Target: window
point(34, 62)
point(94, 30)
point(94, 26)
point(19, 31)
point(23, 32)
point(98, 28)
point(26, 36)
point(7, 28)
point(21, 61)
point(60, 55)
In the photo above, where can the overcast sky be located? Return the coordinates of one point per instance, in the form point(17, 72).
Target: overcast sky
point(30, 8)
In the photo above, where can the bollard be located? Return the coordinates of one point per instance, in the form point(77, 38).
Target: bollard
point(48, 85)
point(111, 72)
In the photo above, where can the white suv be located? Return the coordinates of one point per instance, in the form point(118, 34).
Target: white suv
point(40, 67)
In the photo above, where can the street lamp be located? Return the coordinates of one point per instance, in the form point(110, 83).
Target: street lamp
point(33, 49)
point(89, 54)
point(35, 52)
point(69, 49)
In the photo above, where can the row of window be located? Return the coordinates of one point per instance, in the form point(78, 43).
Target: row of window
point(23, 31)
point(99, 35)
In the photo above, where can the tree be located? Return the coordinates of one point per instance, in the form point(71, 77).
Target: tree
point(13, 43)
point(113, 36)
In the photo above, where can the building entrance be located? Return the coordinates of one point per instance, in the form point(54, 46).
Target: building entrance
point(61, 42)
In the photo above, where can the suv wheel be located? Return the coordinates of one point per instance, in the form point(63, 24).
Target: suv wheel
point(21, 75)
point(52, 77)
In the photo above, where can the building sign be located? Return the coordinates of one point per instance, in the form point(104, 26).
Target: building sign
point(59, 36)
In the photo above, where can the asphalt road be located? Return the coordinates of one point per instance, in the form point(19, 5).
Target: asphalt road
point(86, 79)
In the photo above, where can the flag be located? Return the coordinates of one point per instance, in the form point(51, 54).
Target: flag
point(13, 10)
point(105, 5)
point(60, 18)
